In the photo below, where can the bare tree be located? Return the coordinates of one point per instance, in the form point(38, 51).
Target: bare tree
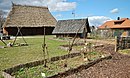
point(1, 19)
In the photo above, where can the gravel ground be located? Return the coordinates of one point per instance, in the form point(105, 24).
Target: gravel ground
point(117, 67)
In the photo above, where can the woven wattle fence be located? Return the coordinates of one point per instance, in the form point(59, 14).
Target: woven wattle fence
point(7, 72)
point(122, 43)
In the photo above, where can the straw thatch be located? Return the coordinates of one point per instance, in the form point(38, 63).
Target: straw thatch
point(29, 16)
point(72, 26)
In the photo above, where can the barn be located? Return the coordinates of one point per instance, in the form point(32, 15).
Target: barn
point(72, 27)
point(31, 20)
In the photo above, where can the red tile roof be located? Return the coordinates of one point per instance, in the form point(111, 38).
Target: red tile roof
point(123, 23)
point(126, 23)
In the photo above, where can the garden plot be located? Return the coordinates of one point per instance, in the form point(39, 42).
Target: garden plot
point(33, 52)
point(51, 69)
point(117, 67)
point(55, 67)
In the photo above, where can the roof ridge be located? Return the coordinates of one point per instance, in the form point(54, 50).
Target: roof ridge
point(73, 19)
point(14, 4)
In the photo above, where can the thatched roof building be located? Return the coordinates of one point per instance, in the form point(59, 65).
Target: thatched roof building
point(71, 27)
point(32, 19)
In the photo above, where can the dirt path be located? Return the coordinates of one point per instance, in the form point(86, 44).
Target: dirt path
point(107, 41)
point(117, 67)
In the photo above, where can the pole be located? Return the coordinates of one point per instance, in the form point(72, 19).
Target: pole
point(3, 41)
point(116, 43)
point(16, 36)
point(23, 37)
point(44, 48)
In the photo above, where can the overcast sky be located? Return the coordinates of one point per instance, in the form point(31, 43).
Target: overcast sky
point(98, 11)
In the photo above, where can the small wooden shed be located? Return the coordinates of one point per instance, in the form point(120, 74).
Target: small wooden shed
point(72, 27)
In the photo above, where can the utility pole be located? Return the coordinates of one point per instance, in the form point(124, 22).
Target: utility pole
point(73, 13)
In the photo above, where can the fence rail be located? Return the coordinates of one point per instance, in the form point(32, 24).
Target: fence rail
point(122, 43)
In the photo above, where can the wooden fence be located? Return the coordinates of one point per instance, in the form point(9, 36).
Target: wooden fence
point(122, 43)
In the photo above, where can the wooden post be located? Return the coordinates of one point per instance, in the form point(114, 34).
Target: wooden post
point(23, 37)
point(45, 51)
point(3, 42)
point(44, 48)
point(19, 32)
point(116, 43)
point(16, 36)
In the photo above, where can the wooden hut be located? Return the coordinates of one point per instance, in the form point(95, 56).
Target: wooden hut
point(72, 27)
point(31, 20)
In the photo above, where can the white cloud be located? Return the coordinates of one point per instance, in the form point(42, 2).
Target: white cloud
point(54, 5)
point(116, 10)
point(97, 20)
point(63, 6)
point(58, 15)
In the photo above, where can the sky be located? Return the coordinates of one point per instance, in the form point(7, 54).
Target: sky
point(97, 11)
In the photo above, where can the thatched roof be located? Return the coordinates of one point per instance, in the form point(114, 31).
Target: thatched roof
point(71, 26)
point(29, 16)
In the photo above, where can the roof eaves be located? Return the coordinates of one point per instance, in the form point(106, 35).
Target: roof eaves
point(30, 26)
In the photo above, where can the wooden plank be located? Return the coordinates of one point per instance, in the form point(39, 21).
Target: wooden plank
point(116, 43)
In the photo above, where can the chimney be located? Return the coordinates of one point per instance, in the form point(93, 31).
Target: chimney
point(118, 18)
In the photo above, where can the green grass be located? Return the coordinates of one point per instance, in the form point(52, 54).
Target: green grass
point(55, 67)
point(52, 69)
point(22, 54)
point(12, 56)
point(125, 51)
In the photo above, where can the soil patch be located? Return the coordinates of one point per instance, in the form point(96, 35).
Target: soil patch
point(117, 67)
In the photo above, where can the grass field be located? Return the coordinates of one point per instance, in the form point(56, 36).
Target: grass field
point(22, 54)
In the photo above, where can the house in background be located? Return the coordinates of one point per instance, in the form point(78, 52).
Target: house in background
point(69, 28)
point(120, 27)
point(31, 20)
